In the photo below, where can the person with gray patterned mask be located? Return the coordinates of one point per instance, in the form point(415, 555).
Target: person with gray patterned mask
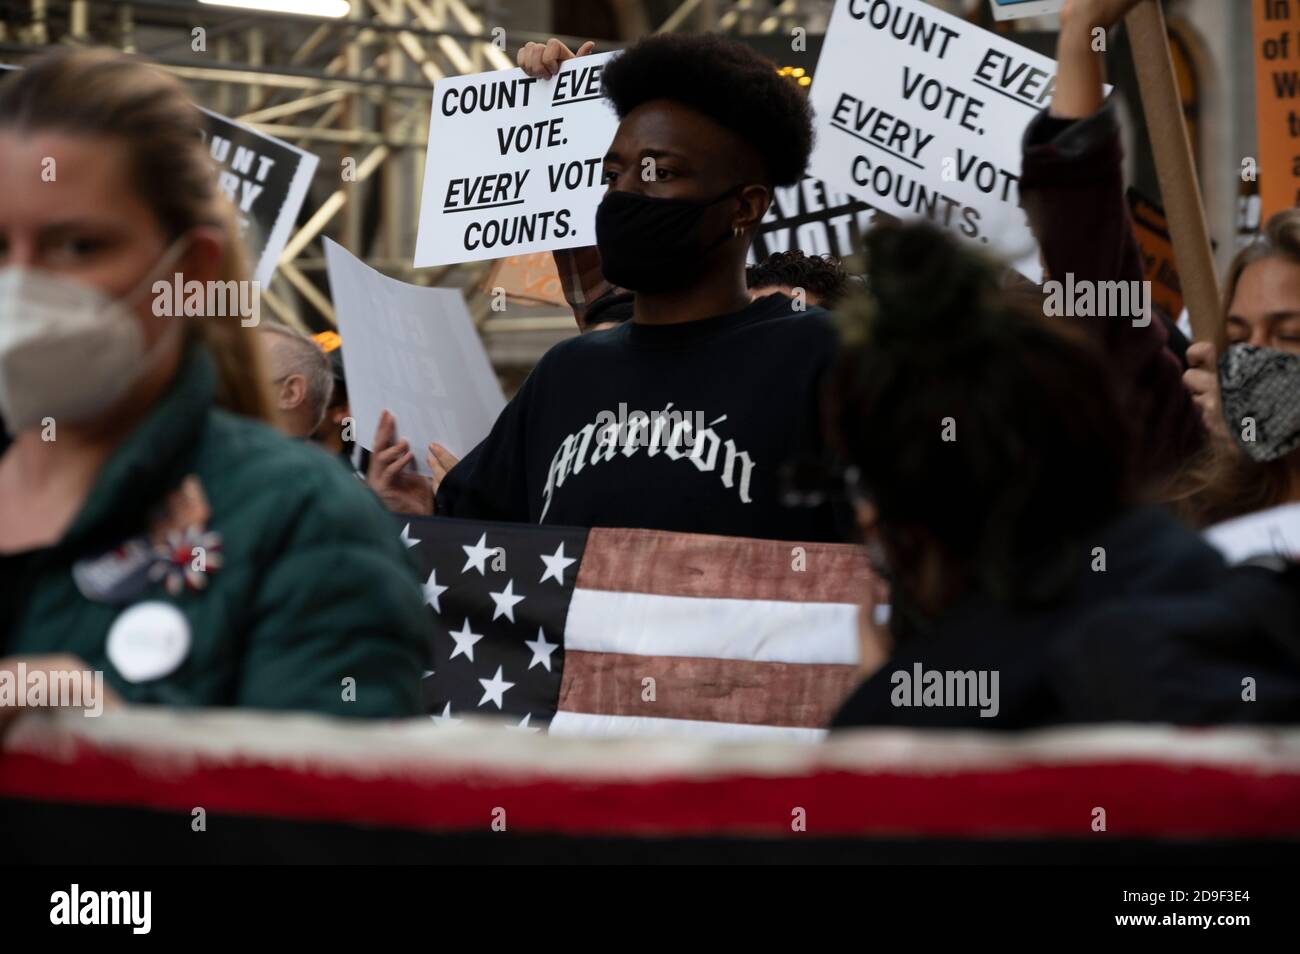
point(1249, 396)
point(1260, 392)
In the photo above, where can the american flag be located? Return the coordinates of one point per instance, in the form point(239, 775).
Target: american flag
point(634, 632)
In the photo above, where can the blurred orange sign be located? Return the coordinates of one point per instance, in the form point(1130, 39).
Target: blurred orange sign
point(1277, 101)
point(1158, 263)
point(528, 279)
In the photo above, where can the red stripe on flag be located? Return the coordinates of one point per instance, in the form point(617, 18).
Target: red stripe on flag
point(740, 691)
point(690, 564)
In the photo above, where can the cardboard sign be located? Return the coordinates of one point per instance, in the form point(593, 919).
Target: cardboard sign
point(1019, 9)
point(514, 163)
point(1273, 532)
point(414, 351)
point(526, 279)
point(814, 219)
point(266, 179)
point(921, 114)
point(1277, 101)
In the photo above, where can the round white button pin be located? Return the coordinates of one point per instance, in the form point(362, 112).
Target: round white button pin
point(148, 641)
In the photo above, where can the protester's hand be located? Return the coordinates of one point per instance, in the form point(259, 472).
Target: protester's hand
point(1079, 89)
point(1202, 379)
point(440, 460)
point(401, 490)
point(543, 60)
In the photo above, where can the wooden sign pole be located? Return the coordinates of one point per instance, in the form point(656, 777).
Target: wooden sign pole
point(1176, 171)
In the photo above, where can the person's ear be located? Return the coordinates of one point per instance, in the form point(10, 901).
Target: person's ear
point(201, 260)
point(293, 391)
point(754, 200)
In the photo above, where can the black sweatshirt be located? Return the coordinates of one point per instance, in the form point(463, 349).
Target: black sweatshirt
point(670, 427)
point(1166, 633)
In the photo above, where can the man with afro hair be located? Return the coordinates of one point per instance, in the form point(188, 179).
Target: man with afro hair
point(684, 417)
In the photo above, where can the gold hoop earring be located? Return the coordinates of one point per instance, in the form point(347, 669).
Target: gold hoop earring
point(736, 231)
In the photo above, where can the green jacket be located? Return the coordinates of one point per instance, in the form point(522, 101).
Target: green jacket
point(313, 585)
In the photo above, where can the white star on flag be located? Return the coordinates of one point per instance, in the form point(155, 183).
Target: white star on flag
point(555, 565)
point(495, 689)
point(406, 537)
point(432, 591)
point(541, 650)
point(446, 717)
point(478, 555)
point(523, 725)
point(465, 641)
point(505, 601)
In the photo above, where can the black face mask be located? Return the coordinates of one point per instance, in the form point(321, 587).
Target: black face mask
point(652, 245)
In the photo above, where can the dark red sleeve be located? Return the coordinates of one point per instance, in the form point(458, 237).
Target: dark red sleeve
point(1072, 189)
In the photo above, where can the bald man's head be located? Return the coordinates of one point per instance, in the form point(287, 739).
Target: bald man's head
point(301, 379)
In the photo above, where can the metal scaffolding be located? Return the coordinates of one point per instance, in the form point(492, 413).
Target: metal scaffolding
point(355, 88)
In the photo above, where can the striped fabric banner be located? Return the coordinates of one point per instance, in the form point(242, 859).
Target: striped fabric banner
point(289, 787)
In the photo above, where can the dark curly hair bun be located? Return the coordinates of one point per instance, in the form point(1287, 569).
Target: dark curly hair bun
point(926, 284)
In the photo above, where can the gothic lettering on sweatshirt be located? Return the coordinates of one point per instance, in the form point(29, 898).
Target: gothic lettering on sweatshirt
point(669, 432)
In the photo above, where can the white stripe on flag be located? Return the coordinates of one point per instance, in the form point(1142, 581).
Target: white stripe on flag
point(601, 621)
point(588, 724)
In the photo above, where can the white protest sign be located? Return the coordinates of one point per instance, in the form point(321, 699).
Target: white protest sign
point(414, 351)
point(1273, 532)
point(921, 115)
point(513, 164)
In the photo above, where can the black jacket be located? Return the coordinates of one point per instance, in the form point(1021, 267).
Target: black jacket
point(1166, 633)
